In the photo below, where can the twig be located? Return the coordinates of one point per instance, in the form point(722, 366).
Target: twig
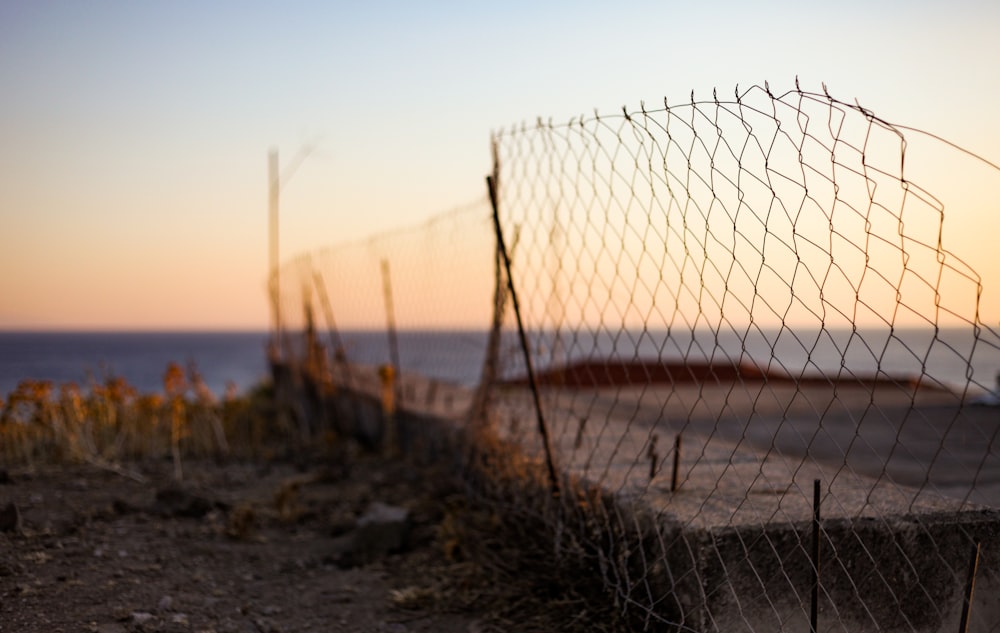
point(115, 468)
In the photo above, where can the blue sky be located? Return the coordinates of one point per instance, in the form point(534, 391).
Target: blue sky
point(134, 136)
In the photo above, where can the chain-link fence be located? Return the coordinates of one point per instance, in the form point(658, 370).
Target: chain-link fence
point(402, 316)
point(736, 364)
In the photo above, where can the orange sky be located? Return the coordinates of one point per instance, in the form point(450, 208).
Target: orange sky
point(134, 137)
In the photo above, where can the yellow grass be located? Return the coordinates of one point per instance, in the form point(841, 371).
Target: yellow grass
point(109, 422)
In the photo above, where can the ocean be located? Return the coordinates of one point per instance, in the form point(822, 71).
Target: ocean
point(950, 356)
point(141, 358)
point(240, 358)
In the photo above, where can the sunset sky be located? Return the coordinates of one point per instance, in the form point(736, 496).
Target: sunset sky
point(134, 136)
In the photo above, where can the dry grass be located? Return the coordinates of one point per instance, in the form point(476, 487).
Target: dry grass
point(110, 424)
point(509, 571)
point(501, 561)
point(494, 560)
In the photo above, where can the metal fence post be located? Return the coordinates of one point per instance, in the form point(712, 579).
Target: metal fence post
point(542, 426)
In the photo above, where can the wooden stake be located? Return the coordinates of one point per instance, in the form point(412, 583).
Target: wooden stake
point(814, 611)
point(677, 463)
point(970, 588)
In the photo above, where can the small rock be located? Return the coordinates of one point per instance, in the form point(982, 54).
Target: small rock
point(265, 625)
point(120, 506)
point(174, 501)
point(165, 603)
point(179, 618)
point(242, 522)
point(10, 518)
point(382, 516)
point(141, 617)
point(380, 530)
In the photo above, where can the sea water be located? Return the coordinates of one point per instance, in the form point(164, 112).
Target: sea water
point(955, 358)
point(141, 358)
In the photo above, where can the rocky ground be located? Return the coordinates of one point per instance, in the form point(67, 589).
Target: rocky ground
point(346, 542)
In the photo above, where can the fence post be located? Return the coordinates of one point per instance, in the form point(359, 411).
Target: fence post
point(677, 463)
point(542, 426)
point(390, 442)
point(814, 610)
point(274, 286)
point(970, 588)
point(653, 456)
point(488, 373)
point(338, 352)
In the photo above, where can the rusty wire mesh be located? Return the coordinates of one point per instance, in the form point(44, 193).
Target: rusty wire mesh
point(417, 299)
point(727, 302)
point(733, 309)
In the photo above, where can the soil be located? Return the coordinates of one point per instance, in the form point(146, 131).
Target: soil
point(252, 547)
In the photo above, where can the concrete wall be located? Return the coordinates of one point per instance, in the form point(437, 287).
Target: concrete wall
point(894, 572)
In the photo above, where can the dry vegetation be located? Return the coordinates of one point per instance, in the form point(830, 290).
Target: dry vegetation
point(90, 471)
point(109, 423)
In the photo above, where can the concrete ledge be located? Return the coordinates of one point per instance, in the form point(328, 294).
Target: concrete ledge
point(717, 557)
point(906, 573)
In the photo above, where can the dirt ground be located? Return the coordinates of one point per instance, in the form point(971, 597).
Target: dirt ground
point(258, 548)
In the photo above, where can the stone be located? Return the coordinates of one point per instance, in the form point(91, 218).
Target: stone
point(10, 518)
point(141, 617)
point(175, 501)
point(381, 529)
